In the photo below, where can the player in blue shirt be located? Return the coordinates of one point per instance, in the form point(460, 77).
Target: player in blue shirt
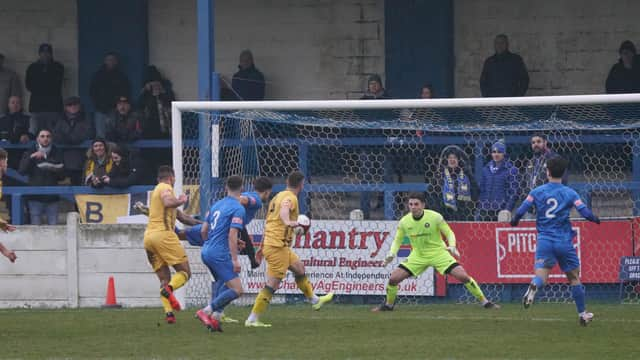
point(221, 228)
point(252, 202)
point(553, 202)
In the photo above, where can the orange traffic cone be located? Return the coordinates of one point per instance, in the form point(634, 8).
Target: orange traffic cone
point(111, 295)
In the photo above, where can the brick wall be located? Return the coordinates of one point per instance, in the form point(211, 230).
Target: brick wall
point(26, 24)
point(568, 46)
point(306, 49)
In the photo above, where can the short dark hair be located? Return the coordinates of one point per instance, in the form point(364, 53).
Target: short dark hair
point(165, 171)
point(234, 183)
point(3, 154)
point(540, 135)
point(416, 195)
point(557, 165)
point(262, 183)
point(295, 178)
point(45, 129)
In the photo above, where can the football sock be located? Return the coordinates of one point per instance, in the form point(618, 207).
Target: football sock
point(165, 304)
point(262, 301)
point(474, 289)
point(392, 292)
point(537, 281)
point(178, 280)
point(305, 286)
point(223, 298)
point(577, 291)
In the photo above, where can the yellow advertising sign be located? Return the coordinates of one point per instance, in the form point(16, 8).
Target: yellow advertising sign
point(102, 209)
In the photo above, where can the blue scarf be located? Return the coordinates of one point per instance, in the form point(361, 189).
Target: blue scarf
point(450, 187)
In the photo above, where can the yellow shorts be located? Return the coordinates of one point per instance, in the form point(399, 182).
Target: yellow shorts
point(164, 249)
point(278, 260)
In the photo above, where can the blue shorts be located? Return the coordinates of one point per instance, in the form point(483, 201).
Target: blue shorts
point(220, 266)
point(550, 253)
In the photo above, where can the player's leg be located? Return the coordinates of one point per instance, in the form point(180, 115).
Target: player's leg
point(545, 261)
point(162, 272)
point(451, 266)
point(277, 263)
point(297, 268)
point(173, 254)
point(164, 275)
point(398, 275)
point(570, 265)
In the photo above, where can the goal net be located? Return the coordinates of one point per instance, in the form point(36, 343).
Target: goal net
point(475, 159)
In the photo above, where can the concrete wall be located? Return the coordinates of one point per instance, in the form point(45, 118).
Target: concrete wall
point(307, 49)
point(568, 46)
point(26, 24)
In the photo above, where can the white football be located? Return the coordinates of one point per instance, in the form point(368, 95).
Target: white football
point(304, 223)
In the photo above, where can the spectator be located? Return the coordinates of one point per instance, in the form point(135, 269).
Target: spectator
point(455, 191)
point(107, 84)
point(427, 92)
point(155, 105)
point(504, 73)
point(43, 165)
point(123, 125)
point(624, 76)
point(536, 167)
point(498, 185)
point(14, 126)
point(248, 83)
point(9, 86)
point(125, 171)
point(375, 90)
point(73, 129)
point(98, 164)
point(44, 81)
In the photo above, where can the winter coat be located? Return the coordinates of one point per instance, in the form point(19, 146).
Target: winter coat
point(124, 128)
point(106, 86)
point(151, 107)
point(504, 75)
point(43, 172)
point(535, 172)
point(622, 80)
point(73, 132)
point(44, 81)
point(127, 173)
point(9, 86)
point(249, 84)
point(14, 126)
point(499, 188)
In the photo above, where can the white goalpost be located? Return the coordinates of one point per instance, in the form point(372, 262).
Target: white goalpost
point(367, 155)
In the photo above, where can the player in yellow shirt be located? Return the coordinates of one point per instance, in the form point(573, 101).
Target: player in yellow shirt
point(4, 225)
point(162, 244)
point(282, 217)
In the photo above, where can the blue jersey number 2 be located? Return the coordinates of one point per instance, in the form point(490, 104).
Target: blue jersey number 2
point(554, 205)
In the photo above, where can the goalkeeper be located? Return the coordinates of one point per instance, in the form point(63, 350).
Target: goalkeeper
point(425, 228)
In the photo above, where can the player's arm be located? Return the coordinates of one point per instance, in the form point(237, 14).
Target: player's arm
point(170, 201)
point(526, 205)
point(187, 219)
point(585, 211)
point(237, 222)
point(395, 245)
point(5, 226)
point(445, 230)
point(8, 253)
point(285, 210)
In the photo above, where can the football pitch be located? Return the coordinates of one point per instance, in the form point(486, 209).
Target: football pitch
point(546, 331)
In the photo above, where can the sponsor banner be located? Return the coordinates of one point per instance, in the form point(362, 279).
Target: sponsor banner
point(102, 209)
point(630, 268)
point(345, 257)
point(498, 253)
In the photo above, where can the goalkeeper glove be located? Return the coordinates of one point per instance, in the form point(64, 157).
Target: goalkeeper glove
point(454, 251)
point(388, 259)
point(5, 226)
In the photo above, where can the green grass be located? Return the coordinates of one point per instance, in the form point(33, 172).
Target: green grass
point(546, 331)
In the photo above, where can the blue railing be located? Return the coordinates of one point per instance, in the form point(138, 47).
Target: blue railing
point(389, 189)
